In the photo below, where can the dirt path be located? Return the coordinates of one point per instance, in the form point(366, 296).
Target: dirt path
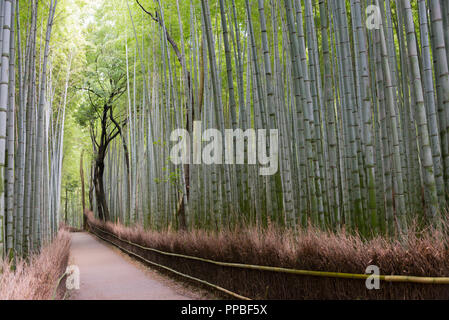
point(106, 274)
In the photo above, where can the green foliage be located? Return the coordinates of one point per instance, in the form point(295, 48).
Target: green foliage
point(101, 36)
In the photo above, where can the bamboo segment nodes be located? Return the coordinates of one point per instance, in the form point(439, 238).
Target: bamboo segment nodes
point(350, 97)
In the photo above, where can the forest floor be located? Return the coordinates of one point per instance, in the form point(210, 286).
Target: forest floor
point(108, 274)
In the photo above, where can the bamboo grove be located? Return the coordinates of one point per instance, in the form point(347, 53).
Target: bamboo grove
point(358, 91)
point(31, 128)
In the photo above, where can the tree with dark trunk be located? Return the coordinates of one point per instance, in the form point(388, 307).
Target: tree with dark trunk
point(101, 147)
point(106, 84)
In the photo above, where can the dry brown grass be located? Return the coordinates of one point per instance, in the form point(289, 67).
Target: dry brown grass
point(36, 279)
point(418, 254)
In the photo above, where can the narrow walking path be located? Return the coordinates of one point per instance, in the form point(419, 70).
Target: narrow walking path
point(106, 274)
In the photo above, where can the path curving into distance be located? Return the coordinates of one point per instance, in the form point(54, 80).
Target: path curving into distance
point(106, 274)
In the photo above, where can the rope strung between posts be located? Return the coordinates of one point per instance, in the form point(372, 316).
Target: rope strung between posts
point(174, 271)
point(387, 278)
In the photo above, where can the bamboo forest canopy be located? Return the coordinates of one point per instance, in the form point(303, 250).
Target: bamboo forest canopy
point(356, 89)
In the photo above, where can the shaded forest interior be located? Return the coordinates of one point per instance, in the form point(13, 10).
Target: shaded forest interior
point(92, 93)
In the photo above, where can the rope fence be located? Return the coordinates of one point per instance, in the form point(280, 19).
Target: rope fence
point(387, 278)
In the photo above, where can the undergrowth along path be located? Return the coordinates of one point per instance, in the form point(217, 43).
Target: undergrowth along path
point(107, 275)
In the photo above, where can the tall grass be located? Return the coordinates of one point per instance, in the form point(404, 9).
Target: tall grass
point(422, 253)
point(37, 278)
